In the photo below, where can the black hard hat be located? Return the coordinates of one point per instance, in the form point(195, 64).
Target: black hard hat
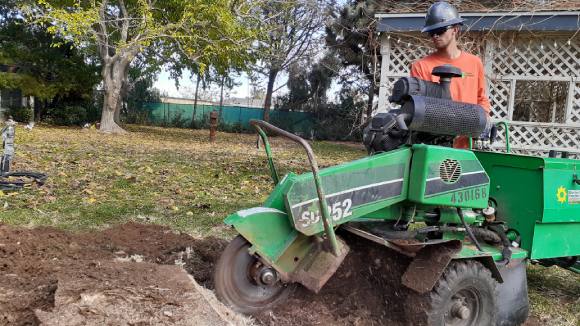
point(441, 14)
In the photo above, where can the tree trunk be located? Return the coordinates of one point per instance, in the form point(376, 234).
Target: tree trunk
point(38, 110)
point(222, 97)
point(114, 73)
point(269, 91)
point(117, 116)
point(195, 102)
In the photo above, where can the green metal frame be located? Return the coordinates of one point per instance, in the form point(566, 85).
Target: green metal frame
point(273, 171)
point(507, 135)
point(328, 228)
point(528, 206)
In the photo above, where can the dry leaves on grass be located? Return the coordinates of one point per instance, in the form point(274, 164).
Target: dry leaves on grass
point(175, 175)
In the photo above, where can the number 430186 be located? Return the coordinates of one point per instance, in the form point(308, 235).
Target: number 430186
point(468, 194)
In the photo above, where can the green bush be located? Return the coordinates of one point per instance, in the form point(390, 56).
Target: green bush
point(20, 114)
point(68, 115)
point(138, 117)
point(178, 121)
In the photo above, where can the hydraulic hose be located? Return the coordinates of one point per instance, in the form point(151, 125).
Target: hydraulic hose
point(506, 250)
point(468, 229)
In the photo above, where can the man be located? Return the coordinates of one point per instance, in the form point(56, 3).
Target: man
point(443, 24)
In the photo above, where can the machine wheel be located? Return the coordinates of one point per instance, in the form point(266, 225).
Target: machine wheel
point(244, 283)
point(464, 296)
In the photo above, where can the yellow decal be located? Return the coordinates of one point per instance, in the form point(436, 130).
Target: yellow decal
point(561, 195)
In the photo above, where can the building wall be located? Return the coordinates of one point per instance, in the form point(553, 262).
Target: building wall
point(533, 83)
point(232, 101)
point(178, 100)
point(10, 98)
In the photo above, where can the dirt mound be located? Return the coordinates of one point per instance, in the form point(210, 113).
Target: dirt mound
point(364, 291)
point(55, 277)
point(127, 275)
point(118, 275)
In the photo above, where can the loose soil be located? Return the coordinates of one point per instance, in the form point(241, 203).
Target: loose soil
point(127, 275)
point(132, 274)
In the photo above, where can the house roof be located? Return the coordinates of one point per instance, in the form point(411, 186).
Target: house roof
point(497, 21)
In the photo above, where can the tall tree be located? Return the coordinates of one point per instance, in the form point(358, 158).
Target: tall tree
point(45, 72)
point(352, 36)
point(308, 84)
point(205, 31)
point(292, 28)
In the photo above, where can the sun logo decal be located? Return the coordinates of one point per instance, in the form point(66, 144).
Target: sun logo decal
point(561, 195)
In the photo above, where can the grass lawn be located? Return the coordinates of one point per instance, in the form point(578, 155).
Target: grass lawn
point(176, 177)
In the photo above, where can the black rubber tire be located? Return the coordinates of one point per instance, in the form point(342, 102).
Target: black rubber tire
point(236, 289)
point(463, 281)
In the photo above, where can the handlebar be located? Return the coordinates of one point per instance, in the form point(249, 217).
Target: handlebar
point(260, 125)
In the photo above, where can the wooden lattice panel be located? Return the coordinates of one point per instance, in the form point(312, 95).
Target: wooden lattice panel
point(541, 138)
point(499, 94)
point(538, 153)
point(552, 57)
point(509, 58)
point(403, 52)
point(574, 116)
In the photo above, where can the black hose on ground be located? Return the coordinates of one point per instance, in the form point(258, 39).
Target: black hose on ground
point(13, 185)
point(468, 229)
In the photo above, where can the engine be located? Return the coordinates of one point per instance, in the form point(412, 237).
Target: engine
point(427, 114)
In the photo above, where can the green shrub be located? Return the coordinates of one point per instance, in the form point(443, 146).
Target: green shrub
point(178, 121)
point(20, 114)
point(68, 115)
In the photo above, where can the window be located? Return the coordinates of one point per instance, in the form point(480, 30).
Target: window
point(540, 101)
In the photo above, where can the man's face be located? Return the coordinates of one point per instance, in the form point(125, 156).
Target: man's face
point(443, 36)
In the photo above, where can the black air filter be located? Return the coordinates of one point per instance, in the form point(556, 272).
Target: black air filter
point(445, 117)
point(409, 86)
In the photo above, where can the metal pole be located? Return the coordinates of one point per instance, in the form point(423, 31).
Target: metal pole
point(507, 135)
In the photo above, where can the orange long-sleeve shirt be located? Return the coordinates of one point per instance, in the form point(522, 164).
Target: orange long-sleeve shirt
point(470, 88)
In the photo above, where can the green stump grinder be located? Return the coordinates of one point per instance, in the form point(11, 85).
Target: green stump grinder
point(470, 219)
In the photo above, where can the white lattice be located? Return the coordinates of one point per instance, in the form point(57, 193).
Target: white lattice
point(499, 95)
point(514, 58)
point(537, 57)
point(574, 116)
point(403, 53)
point(541, 138)
point(538, 153)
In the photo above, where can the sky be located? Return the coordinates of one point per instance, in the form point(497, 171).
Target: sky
point(166, 85)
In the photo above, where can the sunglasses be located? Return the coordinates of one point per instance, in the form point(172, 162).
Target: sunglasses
point(439, 31)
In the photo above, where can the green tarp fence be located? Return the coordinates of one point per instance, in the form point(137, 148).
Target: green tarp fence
point(234, 118)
